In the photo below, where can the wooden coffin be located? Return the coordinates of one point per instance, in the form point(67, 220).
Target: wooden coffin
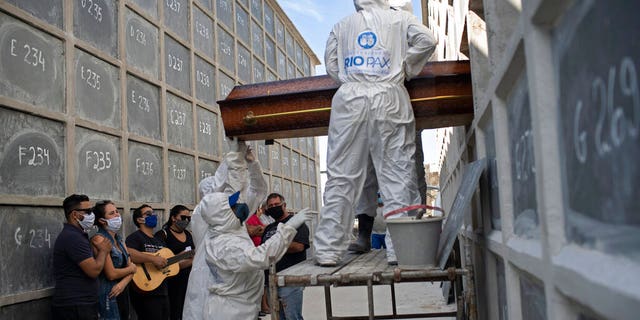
point(441, 97)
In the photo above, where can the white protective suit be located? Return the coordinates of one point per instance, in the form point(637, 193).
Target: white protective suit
point(371, 53)
point(234, 174)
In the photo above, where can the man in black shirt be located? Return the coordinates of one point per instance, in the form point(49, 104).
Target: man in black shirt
point(152, 305)
point(74, 267)
point(290, 297)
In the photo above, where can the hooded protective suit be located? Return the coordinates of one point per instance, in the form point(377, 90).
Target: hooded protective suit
point(234, 174)
point(371, 53)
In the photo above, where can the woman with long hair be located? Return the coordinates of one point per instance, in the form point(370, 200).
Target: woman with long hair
point(113, 295)
point(177, 238)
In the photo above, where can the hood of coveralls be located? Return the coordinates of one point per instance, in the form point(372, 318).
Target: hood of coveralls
point(370, 4)
point(217, 213)
point(405, 5)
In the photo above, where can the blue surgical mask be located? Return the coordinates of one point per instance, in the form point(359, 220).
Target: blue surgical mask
point(242, 211)
point(151, 221)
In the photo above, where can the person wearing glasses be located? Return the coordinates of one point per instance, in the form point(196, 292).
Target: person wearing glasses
point(177, 238)
point(75, 268)
point(113, 296)
point(152, 305)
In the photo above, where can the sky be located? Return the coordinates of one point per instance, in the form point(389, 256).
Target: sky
point(314, 20)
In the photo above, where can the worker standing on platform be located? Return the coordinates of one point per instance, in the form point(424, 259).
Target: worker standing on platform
point(371, 53)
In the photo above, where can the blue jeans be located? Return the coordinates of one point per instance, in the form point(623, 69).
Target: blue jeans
point(291, 300)
point(377, 241)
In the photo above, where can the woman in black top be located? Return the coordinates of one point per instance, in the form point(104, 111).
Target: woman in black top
point(178, 239)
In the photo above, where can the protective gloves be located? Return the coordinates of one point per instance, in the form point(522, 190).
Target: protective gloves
point(300, 218)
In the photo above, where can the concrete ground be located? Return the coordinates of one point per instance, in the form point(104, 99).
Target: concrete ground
point(416, 297)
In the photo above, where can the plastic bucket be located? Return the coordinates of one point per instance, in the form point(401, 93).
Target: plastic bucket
point(415, 241)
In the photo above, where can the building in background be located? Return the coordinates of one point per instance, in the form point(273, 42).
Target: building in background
point(117, 100)
point(554, 224)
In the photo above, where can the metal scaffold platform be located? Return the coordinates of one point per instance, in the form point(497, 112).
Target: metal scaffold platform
point(368, 270)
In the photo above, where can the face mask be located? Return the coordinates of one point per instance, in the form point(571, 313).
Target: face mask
point(151, 221)
point(114, 224)
point(181, 224)
point(242, 211)
point(275, 212)
point(87, 222)
point(380, 201)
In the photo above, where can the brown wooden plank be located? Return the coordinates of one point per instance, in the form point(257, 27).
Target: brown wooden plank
point(441, 96)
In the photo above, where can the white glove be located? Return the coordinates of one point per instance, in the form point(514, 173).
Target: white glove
point(300, 218)
point(249, 155)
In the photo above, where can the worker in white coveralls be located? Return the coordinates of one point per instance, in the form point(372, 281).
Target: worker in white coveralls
point(366, 208)
point(371, 53)
point(227, 277)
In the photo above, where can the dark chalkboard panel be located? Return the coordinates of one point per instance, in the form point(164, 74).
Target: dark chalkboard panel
point(258, 71)
point(269, 24)
point(244, 64)
point(226, 51)
point(599, 99)
point(224, 12)
point(97, 90)
point(313, 197)
point(456, 216)
point(282, 63)
point(311, 172)
point(276, 185)
point(226, 84)
point(257, 39)
point(207, 169)
point(145, 173)
point(32, 157)
point(181, 178)
point(280, 32)
point(179, 121)
point(304, 168)
point(143, 108)
point(176, 17)
point(532, 298)
point(244, 2)
point(306, 66)
point(150, 7)
point(289, 44)
point(299, 54)
point(36, 309)
point(291, 70)
point(27, 236)
point(96, 22)
point(489, 186)
point(285, 168)
point(297, 195)
point(523, 169)
point(242, 22)
point(98, 165)
point(141, 44)
point(275, 158)
point(295, 165)
point(287, 189)
point(256, 9)
point(32, 65)
point(206, 4)
point(51, 12)
point(305, 197)
point(302, 142)
point(203, 32)
point(177, 65)
point(205, 81)
point(270, 48)
point(271, 76)
point(262, 150)
point(207, 131)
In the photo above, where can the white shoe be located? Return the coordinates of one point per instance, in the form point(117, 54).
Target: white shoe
point(326, 262)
